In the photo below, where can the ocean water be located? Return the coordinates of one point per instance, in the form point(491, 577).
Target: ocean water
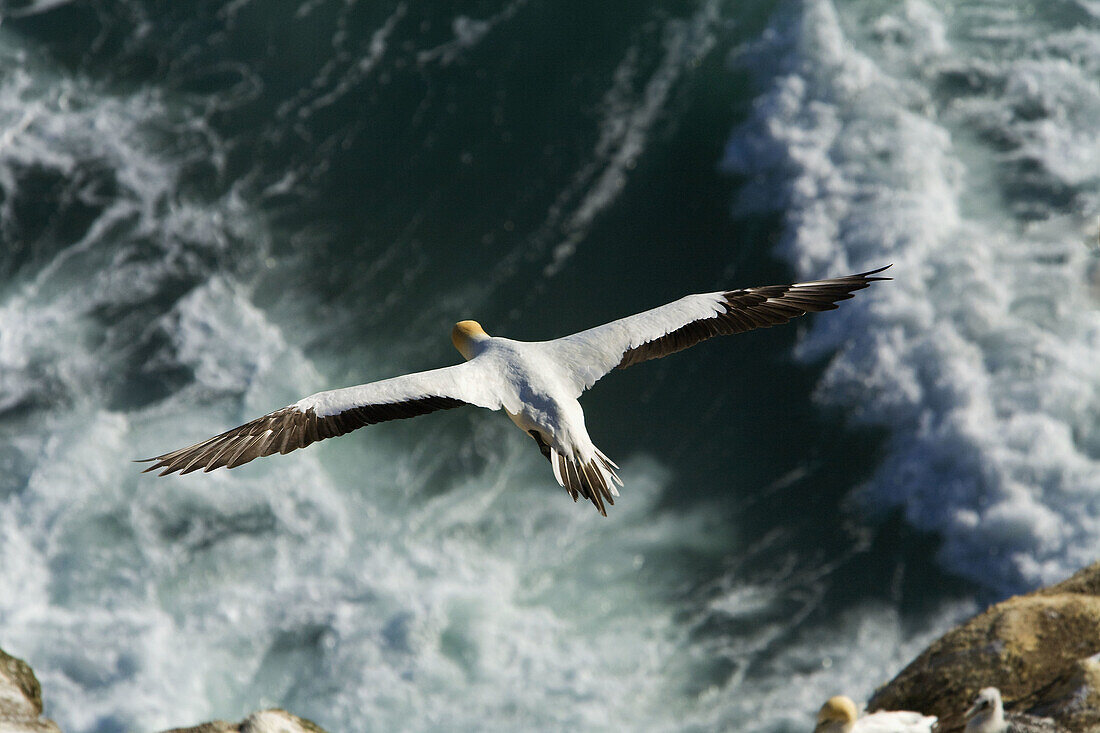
point(211, 209)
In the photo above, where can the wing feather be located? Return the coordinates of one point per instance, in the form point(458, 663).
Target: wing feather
point(333, 413)
point(683, 323)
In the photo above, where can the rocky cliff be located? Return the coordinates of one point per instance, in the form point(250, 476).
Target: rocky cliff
point(21, 699)
point(1042, 650)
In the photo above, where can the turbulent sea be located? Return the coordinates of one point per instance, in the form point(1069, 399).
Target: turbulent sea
point(211, 209)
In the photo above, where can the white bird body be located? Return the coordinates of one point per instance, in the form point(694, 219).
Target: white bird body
point(536, 383)
point(987, 715)
point(839, 715)
point(891, 721)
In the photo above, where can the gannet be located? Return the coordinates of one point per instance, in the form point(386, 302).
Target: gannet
point(839, 715)
point(536, 383)
point(987, 715)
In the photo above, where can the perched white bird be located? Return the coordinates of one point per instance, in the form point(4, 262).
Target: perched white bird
point(536, 383)
point(987, 715)
point(839, 715)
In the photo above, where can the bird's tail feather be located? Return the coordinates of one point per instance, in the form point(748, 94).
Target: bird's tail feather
point(594, 479)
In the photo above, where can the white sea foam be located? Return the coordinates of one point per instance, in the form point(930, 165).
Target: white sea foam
point(348, 70)
point(966, 155)
point(825, 660)
point(34, 8)
point(468, 33)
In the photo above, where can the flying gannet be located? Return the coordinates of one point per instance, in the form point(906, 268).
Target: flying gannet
point(839, 715)
point(536, 383)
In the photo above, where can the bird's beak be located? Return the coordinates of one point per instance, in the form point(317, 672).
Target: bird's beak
point(971, 712)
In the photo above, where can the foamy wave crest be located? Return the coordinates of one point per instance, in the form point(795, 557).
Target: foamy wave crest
point(101, 246)
point(140, 602)
point(965, 155)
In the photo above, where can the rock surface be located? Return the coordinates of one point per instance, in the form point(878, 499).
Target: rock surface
point(265, 721)
point(1042, 650)
point(21, 698)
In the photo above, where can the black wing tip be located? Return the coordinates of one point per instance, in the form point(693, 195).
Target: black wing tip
point(154, 467)
point(233, 447)
point(158, 463)
point(867, 275)
point(858, 281)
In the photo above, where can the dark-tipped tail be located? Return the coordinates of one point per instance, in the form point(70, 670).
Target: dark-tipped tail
point(594, 479)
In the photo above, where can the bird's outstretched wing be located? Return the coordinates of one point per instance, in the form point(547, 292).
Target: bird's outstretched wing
point(670, 328)
point(335, 412)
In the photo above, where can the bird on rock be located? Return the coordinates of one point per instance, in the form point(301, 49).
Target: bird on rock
point(536, 383)
point(839, 715)
point(987, 715)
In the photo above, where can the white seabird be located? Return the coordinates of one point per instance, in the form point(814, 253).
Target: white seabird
point(536, 383)
point(839, 715)
point(987, 715)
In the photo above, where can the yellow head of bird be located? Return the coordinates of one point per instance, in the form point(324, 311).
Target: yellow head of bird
point(465, 334)
point(837, 713)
